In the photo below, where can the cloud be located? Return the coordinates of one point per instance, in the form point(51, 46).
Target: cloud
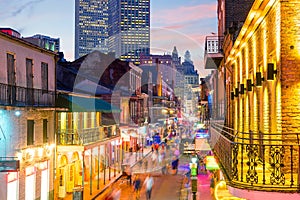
point(185, 14)
point(15, 8)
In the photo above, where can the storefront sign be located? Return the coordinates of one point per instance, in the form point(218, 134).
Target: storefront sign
point(9, 165)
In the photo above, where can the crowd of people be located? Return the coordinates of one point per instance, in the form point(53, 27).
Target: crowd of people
point(162, 157)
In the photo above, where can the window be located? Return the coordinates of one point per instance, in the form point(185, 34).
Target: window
point(44, 76)
point(30, 132)
point(45, 130)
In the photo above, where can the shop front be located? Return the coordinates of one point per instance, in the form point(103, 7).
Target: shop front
point(129, 136)
point(91, 166)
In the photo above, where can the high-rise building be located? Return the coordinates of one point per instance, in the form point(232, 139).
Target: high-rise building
point(91, 26)
point(129, 29)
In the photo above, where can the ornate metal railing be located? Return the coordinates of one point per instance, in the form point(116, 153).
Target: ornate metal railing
point(257, 161)
point(21, 96)
point(82, 137)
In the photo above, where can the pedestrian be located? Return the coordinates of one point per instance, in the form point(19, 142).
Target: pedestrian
point(146, 164)
point(137, 185)
point(175, 164)
point(156, 147)
point(154, 158)
point(149, 184)
point(212, 184)
point(116, 194)
point(129, 174)
point(164, 166)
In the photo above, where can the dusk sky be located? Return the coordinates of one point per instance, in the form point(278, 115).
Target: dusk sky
point(180, 23)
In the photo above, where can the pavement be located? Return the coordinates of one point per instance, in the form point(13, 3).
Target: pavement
point(111, 177)
point(166, 186)
point(169, 186)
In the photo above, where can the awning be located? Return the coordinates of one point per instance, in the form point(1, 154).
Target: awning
point(86, 104)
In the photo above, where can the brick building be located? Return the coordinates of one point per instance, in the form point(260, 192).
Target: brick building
point(259, 135)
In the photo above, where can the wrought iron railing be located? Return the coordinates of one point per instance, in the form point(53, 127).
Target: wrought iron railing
point(21, 96)
point(257, 161)
point(82, 137)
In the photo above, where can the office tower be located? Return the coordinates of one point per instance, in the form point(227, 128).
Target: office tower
point(91, 26)
point(129, 29)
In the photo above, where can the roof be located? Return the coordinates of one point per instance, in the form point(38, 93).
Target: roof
point(86, 104)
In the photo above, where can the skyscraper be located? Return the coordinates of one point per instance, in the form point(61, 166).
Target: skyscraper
point(119, 26)
point(129, 28)
point(91, 26)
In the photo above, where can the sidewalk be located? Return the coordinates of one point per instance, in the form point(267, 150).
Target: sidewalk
point(165, 186)
point(112, 175)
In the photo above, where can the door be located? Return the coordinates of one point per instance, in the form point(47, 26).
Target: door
point(11, 79)
point(29, 82)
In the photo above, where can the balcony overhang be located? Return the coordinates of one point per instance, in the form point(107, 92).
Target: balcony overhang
point(85, 104)
point(212, 60)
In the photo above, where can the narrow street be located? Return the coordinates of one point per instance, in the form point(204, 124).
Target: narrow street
point(168, 186)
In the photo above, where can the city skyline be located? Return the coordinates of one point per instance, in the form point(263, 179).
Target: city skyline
point(173, 23)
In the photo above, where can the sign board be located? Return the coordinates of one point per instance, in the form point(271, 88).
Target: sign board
point(211, 163)
point(9, 165)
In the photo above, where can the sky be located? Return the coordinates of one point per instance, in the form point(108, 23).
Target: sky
point(180, 23)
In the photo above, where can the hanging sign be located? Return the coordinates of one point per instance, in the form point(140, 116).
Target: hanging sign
point(9, 165)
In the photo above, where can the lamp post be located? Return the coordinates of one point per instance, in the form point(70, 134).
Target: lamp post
point(194, 172)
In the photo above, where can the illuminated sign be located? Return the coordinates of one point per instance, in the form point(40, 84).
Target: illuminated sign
point(9, 165)
point(211, 163)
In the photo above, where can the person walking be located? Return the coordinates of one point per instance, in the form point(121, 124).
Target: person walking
point(129, 174)
point(149, 184)
point(137, 186)
point(164, 166)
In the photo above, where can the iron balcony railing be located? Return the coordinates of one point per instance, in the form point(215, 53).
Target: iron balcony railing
point(82, 137)
point(257, 161)
point(21, 96)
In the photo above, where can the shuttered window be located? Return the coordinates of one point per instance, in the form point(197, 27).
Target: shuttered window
point(45, 130)
point(30, 132)
point(44, 76)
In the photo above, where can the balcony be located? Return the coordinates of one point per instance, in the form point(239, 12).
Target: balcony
point(21, 96)
point(213, 53)
point(257, 161)
point(83, 137)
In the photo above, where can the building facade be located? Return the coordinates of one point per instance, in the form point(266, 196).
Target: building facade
point(118, 26)
point(91, 26)
point(27, 112)
point(129, 29)
point(260, 132)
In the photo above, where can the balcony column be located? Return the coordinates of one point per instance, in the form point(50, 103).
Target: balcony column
point(91, 172)
point(98, 181)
